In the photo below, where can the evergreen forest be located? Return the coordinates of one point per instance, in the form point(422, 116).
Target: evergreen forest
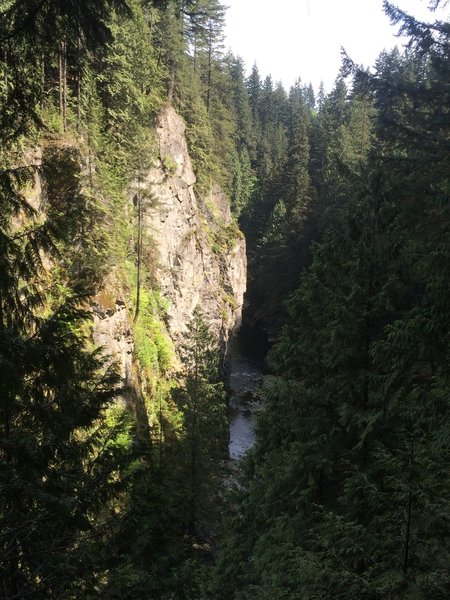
point(118, 487)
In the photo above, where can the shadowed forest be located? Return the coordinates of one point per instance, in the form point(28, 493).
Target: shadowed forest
point(120, 486)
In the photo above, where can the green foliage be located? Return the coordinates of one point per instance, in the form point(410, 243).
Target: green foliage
point(345, 207)
point(224, 237)
point(153, 346)
point(54, 469)
point(345, 493)
point(129, 82)
point(169, 165)
point(199, 137)
point(79, 479)
point(201, 399)
point(54, 466)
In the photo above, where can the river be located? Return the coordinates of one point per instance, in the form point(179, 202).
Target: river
point(246, 376)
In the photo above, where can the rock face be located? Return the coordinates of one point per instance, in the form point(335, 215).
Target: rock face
point(202, 259)
point(112, 331)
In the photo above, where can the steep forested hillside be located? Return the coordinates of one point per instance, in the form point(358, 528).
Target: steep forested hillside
point(345, 494)
point(112, 479)
point(109, 472)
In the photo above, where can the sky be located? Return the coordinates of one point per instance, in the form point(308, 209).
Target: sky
point(291, 39)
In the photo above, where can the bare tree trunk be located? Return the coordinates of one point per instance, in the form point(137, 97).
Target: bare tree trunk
point(171, 88)
point(208, 91)
point(195, 55)
point(43, 81)
point(60, 71)
point(79, 76)
point(64, 63)
point(139, 250)
point(63, 83)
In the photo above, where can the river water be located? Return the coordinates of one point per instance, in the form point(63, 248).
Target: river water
point(246, 376)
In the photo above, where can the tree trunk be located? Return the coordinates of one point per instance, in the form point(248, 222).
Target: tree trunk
point(406, 544)
point(171, 88)
point(43, 82)
point(407, 535)
point(208, 90)
point(63, 83)
point(194, 460)
point(64, 48)
point(193, 507)
point(60, 72)
point(139, 251)
point(370, 289)
point(79, 76)
point(195, 55)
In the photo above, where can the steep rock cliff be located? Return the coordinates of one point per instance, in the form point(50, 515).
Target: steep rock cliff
point(202, 259)
point(200, 253)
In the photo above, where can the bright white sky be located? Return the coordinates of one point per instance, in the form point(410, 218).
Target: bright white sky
point(289, 39)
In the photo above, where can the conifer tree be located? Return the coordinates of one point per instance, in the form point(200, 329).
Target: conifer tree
point(54, 473)
point(205, 23)
point(345, 493)
point(254, 90)
point(202, 402)
point(243, 179)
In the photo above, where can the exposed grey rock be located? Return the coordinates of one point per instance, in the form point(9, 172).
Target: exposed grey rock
point(189, 272)
point(183, 226)
point(112, 331)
